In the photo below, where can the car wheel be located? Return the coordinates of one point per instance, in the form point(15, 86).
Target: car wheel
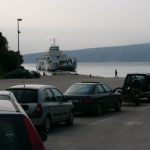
point(47, 124)
point(137, 99)
point(137, 103)
point(118, 107)
point(70, 120)
point(99, 110)
point(10, 77)
point(148, 98)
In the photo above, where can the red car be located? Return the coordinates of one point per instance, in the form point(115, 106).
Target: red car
point(16, 129)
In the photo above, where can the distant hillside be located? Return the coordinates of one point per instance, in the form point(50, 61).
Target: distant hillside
point(138, 52)
point(31, 58)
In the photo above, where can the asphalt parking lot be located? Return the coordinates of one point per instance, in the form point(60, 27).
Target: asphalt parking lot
point(125, 130)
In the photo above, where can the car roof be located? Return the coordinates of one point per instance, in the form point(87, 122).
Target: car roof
point(5, 93)
point(89, 82)
point(30, 86)
point(139, 74)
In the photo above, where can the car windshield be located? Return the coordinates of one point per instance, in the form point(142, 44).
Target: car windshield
point(25, 95)
point(13, 135)
point(81, 89)
point(5, 97)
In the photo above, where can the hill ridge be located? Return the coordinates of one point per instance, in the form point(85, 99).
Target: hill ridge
point(133, 52)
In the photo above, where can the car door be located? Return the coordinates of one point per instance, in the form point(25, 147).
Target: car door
point(51, 105)
point(103, 96)
point(64, 105)
point(111, 98)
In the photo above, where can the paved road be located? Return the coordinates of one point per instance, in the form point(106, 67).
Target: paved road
point(125, 130)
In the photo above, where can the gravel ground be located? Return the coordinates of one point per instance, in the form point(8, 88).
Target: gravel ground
point(62, 82)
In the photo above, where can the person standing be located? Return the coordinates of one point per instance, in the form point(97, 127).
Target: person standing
point(116, 74)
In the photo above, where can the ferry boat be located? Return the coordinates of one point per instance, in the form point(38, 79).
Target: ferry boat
point(55, 60)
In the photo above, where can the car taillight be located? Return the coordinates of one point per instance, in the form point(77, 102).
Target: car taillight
point(88, 100)
point(35, 140)
point(38, 110)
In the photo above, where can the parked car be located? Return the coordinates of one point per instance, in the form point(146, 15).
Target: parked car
point(44, 104)
point(16, 130)
point(36, 74)
point(20, 73)
point(136, 87)
point(93, 97)
point(7, 95)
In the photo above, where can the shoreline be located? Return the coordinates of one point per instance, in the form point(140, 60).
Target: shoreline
point(106, 69)
point(62, 82)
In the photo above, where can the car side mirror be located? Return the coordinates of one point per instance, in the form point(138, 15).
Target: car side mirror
point(62, 98)
point(48, 99)
point(66, 98)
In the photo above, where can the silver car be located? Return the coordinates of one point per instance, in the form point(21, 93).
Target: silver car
point(44, 104)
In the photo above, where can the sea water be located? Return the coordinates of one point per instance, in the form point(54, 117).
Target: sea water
point(107, 69)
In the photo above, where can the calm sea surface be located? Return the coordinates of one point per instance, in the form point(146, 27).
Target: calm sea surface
point(107, 69)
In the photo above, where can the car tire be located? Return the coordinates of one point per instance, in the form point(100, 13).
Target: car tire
point(137, 103)
point(47, 124)
point(10, 77)
point(137, 99)
point(148, 99)
point(99, 110)
point(70, 120)
point(118, 107)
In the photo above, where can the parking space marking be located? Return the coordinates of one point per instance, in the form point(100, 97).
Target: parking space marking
point(99, 121)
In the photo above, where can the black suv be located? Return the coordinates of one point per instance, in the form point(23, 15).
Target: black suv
point(136, 87)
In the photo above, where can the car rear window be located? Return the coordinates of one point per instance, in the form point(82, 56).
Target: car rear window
point(81, 89)
point(13, 134)
point(131, 78)
point(25, 95)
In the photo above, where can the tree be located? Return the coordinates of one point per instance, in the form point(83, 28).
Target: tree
point(14, 59)
point(3, 43)
point(9, 60)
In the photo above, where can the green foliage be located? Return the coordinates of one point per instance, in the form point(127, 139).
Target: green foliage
point(9, 60)
point(3, 43)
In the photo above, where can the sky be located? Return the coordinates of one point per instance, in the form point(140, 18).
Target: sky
point(75, 24)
